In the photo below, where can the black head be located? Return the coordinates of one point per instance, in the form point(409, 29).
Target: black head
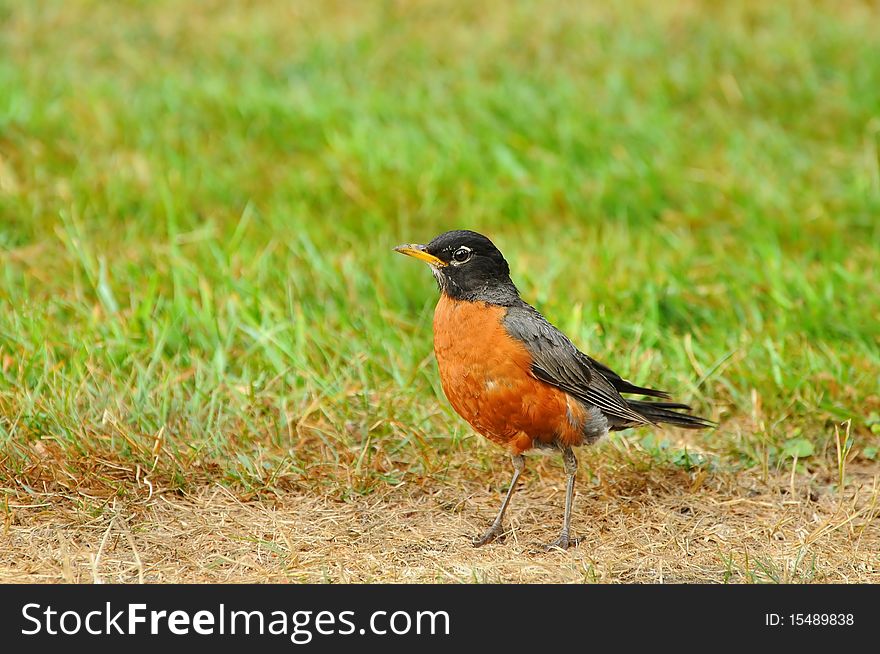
point(467, 266)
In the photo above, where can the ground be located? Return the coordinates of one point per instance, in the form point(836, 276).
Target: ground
point(633, 525)
point(214, 367)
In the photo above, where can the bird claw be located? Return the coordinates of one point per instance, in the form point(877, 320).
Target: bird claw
point(563, 543)
point(494, 532)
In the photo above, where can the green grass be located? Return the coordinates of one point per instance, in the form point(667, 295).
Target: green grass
point(198, 205)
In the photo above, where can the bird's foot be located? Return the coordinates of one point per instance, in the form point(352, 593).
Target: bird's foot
point(495, 531)
point(563, 542)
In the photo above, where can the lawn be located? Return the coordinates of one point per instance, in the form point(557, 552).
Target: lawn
point(213, 366)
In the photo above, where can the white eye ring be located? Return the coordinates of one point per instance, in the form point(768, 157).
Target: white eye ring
point(463, 249)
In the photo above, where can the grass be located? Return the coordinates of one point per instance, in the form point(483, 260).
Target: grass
point(662, 525)
point(197, 206)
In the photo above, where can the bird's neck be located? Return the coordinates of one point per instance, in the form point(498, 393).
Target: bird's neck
point(504, 293)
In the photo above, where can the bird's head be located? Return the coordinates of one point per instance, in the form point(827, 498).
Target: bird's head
point(467, 266)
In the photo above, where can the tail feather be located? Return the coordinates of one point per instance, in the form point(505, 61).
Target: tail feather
point(657, 412)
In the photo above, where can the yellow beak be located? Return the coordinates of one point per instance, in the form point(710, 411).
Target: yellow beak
point(419, 252)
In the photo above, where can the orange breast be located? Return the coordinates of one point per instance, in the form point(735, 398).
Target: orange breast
point(486, 375)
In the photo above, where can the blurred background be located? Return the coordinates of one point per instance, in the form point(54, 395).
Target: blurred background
point(198, 202)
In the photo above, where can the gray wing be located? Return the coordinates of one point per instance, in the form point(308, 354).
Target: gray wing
point(556, 361)
point(622, 385)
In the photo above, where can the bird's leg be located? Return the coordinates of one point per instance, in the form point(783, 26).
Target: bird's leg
point(571, 465)
point(495, 531)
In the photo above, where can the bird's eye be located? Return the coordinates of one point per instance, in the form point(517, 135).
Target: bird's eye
point(461, 255)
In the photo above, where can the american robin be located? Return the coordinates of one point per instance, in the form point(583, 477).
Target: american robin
point(514, 377)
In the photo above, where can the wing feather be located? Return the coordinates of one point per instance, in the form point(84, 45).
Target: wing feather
point(556, 361)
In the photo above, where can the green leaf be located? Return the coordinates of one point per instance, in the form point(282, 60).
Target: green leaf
point(798, 447)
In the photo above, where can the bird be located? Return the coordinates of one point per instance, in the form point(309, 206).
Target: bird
point(517, 379)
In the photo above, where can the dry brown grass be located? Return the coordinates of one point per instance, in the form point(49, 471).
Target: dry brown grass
point(659, 525)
